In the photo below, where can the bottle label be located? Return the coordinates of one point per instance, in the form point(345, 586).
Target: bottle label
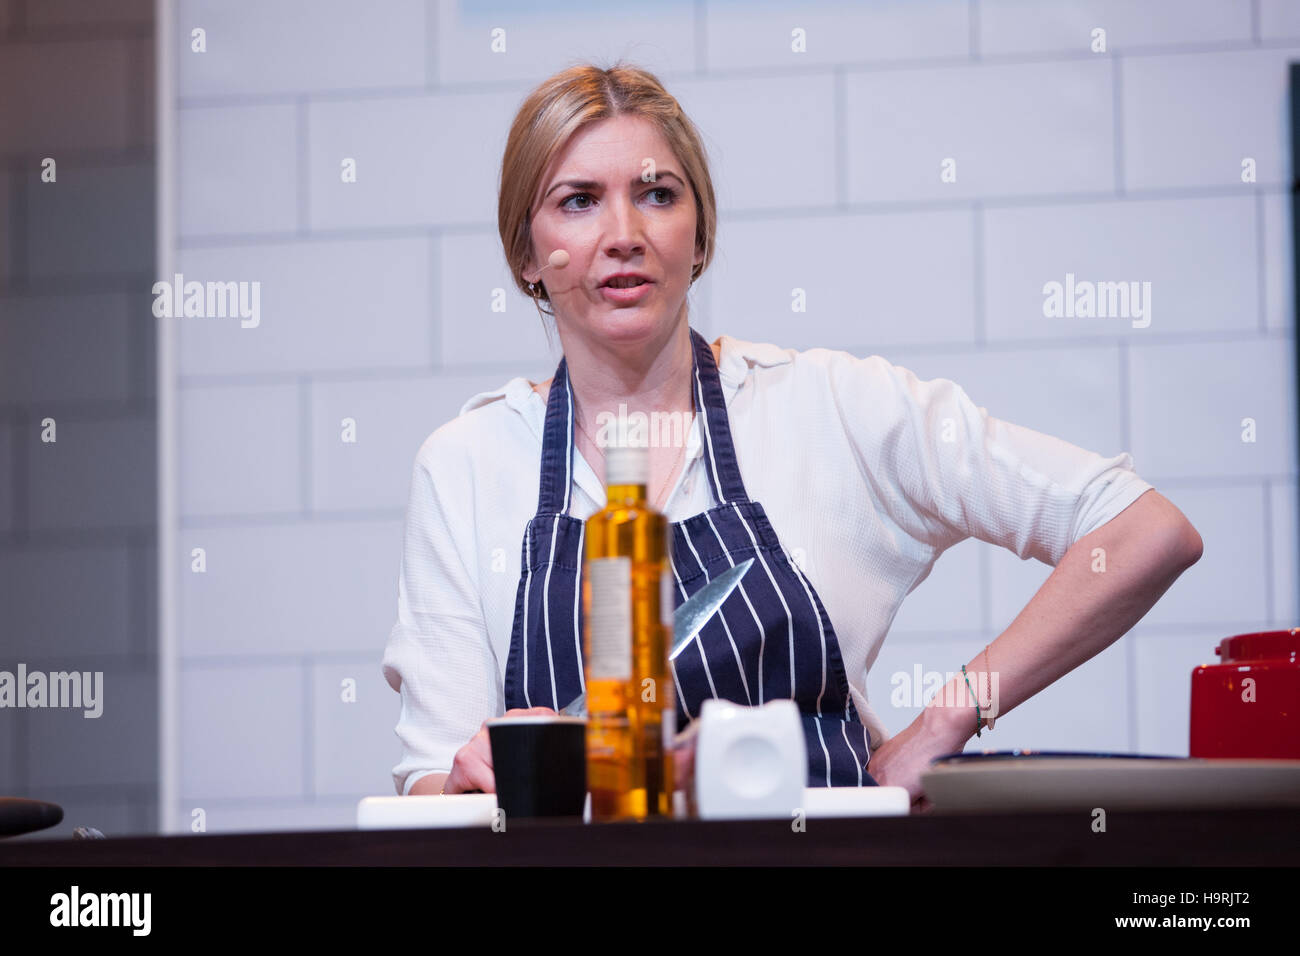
point(609, 619)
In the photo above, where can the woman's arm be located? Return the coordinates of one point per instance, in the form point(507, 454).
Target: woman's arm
point(439, 657)
point(1078, 612)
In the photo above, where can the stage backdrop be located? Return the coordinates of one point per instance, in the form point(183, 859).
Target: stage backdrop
point(922, 170)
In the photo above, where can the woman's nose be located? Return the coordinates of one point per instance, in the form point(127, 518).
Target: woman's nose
point(624, 225)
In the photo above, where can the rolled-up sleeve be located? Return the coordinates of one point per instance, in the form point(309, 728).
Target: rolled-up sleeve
point(438, 655)
point(946, 470)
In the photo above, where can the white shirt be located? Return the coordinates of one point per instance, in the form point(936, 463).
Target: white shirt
point(866, 473)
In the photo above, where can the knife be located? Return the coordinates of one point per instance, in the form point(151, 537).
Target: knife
point(688, 620)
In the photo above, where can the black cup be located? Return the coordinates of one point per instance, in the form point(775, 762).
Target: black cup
point(540, 765)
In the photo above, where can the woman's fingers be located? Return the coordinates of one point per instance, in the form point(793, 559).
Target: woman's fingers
point(470, 772)
point(472, 767)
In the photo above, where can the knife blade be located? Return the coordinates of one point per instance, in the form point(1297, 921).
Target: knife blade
point(689, 619)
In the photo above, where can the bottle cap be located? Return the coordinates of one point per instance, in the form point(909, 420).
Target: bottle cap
point(627, 461)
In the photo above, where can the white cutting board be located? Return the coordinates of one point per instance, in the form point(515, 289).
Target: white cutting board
point(476, 809)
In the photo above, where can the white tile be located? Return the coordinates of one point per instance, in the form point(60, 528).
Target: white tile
point(1198, 254)
point(868, 280)
point(354, 745)
point(1279, 264)
point(1279, 19)
point(249, 750)
point(325, 304)
point(1019, 129)
point(97, 474)
point(1189, 402)
point(120, 746)
point(62, 348)
point(390, 419)
point(92, 221)
point(1025, 26)
point(754, 166)
point(541, 39)
point(239, 450)
point(7, 452)
point(952, 598)
point(1190, 119)
point(472, 268)
point(1227, 585)
point(1163, 695)
point(299, 46)
point(76, 13)
point(65, 603)
point(1071, 394)
point(273, 817)
point(83, 96)
point(1282, 530)
point(420, 160)
point(760, 34)
point(319, 587)
point(237, 170)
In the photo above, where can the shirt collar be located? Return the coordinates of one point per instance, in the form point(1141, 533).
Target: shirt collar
point(737, 357)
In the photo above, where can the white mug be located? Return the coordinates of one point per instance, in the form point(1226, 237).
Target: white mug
point(750, 762)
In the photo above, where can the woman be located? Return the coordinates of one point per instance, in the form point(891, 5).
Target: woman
point(860, 476)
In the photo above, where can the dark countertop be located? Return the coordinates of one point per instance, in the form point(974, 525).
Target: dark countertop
point(1261, 837)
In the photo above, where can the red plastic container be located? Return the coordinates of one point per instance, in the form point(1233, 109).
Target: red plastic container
point(1248, 705)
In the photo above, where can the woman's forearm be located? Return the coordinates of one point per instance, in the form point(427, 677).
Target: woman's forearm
point(1079, 611)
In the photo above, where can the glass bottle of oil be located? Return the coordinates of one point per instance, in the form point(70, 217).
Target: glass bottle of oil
point(627, 610)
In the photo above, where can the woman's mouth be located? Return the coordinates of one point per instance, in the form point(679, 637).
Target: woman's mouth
point(625, 290)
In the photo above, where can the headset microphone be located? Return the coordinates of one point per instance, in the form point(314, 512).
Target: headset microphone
point(559, 259)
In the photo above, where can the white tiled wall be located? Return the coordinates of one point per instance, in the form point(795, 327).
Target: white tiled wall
point(1115, 166)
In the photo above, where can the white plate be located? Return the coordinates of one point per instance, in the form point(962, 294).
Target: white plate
point(1048, 783)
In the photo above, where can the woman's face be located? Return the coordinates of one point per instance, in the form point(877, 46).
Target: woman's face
point(594, 204)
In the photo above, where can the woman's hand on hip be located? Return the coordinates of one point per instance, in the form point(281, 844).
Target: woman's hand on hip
point(900, 761)
point(472, 768)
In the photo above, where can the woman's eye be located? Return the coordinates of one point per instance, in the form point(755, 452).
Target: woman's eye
point(669, 195)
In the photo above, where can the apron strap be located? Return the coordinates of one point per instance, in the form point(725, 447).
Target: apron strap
point(555, 490)
point(719, 453)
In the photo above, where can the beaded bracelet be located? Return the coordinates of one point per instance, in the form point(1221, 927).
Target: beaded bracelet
point(979, 723)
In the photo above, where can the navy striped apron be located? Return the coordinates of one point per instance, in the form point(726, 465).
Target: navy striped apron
point(771, 638)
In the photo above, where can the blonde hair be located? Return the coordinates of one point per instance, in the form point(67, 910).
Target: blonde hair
point(549, 117)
